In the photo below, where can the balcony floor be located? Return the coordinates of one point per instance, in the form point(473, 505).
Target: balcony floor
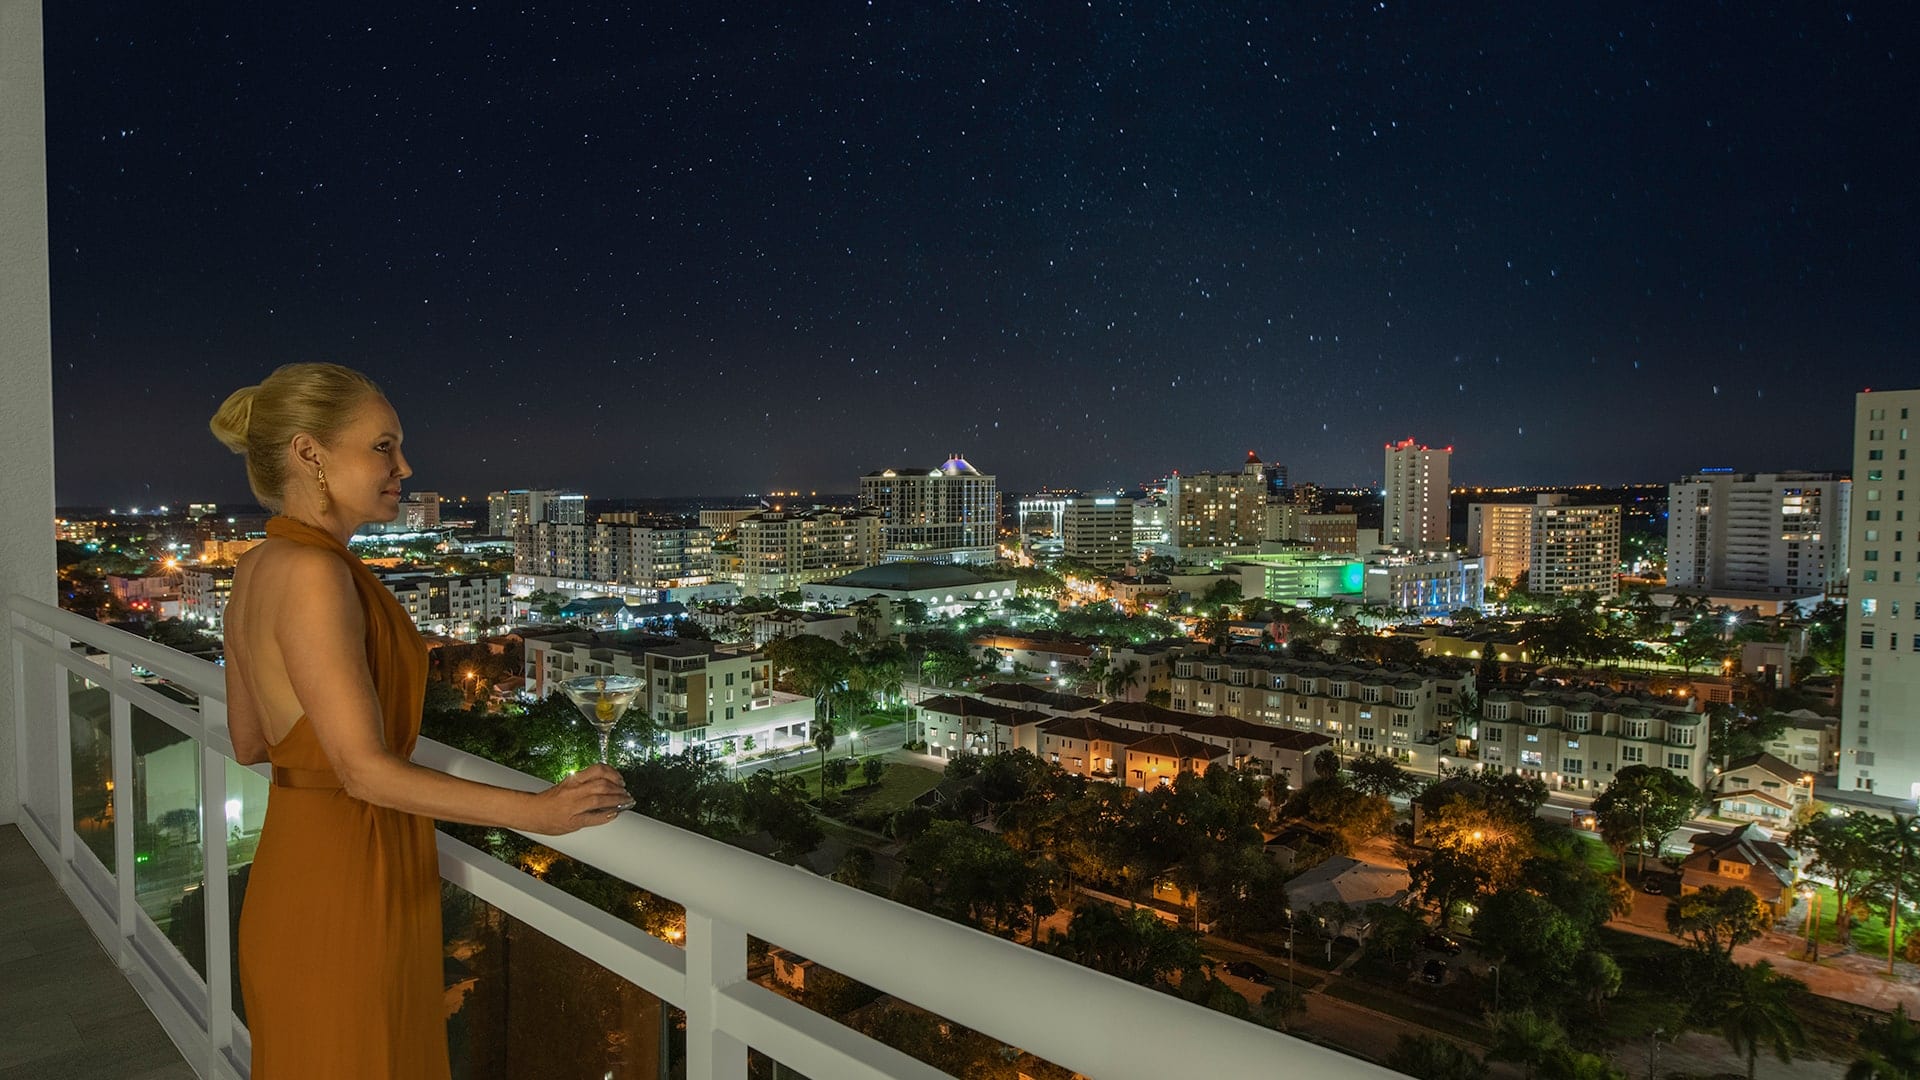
point(65, 1009)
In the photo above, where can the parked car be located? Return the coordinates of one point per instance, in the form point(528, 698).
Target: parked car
point(1248, 970)
point(1654, 884)
point(1434, 971)
point(1439, 942)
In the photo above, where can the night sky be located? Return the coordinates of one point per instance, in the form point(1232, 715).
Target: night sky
point(714, 250)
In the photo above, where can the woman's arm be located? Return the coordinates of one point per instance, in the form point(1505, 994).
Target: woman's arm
point(323, 640)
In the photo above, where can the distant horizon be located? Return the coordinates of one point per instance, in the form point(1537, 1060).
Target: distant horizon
point(478, 501)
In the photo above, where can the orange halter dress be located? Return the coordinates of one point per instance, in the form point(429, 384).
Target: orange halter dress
point(341, 956)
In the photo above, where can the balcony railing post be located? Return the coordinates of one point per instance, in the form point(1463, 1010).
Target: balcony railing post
point(22, 768)
point(19, 657)
point(213, 889)
point(716, 960)
point(63, 827)
point(121, 713)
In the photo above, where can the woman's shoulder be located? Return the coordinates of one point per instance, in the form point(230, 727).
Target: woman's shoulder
point(291, 562)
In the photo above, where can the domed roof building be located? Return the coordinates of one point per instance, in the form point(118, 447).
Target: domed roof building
point(949, 514)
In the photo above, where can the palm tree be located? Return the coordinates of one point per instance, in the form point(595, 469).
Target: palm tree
point(823, 740)
point(1756, 1010)
point(1120, 678)
point(1889, 1051)
point(1094, 672)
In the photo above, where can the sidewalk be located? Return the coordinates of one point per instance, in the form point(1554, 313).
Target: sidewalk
point(1851, 977)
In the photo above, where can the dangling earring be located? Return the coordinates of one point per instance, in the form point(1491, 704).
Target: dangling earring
point(325, 500)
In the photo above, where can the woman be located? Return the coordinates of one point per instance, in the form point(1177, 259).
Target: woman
point(340, 946)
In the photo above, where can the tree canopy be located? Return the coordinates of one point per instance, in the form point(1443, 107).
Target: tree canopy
point(1715, 919)
point(1641, 806)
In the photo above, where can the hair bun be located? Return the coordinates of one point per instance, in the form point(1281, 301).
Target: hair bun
point(232, 423)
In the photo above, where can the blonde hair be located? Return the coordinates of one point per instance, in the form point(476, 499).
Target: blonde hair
point(261, 421)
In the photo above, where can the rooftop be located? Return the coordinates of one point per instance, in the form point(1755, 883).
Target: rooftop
point(909, 576)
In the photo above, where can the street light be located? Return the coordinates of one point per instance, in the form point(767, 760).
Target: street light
point(1812, 895)
point(1289, 948)
point(1495, 968)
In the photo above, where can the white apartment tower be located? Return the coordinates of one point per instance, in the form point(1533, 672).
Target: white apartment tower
point(1783, 534)
point(1880, 706)
point(1416, 496)
point(659, 557)
point(782, 550)
point(1562, 549)
point(506, 509)
point(946, 515)
point(630, 555)
point(1575, 549)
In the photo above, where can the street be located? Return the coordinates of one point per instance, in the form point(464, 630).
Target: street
point(872, 741)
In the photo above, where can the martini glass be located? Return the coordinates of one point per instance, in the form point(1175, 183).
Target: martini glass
point(603, 700)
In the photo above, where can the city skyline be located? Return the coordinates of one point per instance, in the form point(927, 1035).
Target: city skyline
point(678, 253)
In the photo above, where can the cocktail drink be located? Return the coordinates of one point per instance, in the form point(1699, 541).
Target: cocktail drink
point(603, 700)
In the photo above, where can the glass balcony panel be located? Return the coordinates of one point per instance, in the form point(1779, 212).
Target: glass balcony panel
point(762, 1067)
point(521, 1004)
point(919, 1033)
point(168, 859)
point(93, 798)
point(40, 795)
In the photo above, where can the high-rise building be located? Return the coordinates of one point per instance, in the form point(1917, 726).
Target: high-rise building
point(546, 549)
point(506, 509)
point(1276, 476)
point(1755, 534)
point(1575, 549)
point(1151, 529)
point(946, 515)
point(635, 556)
point(421, 510)
point(1219, 513)
point(724, 522)
point(1561, 549)
point(655, 556)
point(1098, 530)
point(1880, 707)
point(783, 550)
point(1416, 496)
point(1502, 535)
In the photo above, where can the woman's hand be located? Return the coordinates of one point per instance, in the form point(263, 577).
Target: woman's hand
point(593, 796)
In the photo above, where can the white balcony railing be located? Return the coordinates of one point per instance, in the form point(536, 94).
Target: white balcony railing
point(1078, 1018)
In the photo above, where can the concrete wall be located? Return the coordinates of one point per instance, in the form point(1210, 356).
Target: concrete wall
point(26, 351)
